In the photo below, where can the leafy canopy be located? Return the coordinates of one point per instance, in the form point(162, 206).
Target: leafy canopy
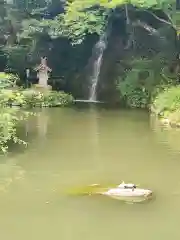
point(78, 5)
point(82, 17)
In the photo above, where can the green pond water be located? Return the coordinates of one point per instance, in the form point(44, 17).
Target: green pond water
point(77, 146)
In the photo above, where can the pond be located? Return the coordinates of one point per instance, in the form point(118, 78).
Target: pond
point(78, 146)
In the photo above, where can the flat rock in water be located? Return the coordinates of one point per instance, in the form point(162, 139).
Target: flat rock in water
point(87, 101)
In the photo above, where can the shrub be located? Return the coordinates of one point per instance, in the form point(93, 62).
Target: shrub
point(167, 101)
point(9, 118)
point(8, 80)
point(47, 98)
point(144, 79)
point(135, 94)
point(34, 98)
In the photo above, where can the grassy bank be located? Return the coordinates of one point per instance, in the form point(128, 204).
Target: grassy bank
point(166, 105)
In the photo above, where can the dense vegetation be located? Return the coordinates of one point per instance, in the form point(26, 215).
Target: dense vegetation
point(167, 106)
point(66, 32)
point(140, 61)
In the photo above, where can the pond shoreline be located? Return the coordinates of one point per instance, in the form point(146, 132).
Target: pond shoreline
point(166, 107)
point(12, 100)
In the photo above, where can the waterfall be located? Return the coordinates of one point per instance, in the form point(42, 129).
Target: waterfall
point(98, 52)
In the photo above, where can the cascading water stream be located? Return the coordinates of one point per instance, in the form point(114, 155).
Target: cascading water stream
point(99, 50)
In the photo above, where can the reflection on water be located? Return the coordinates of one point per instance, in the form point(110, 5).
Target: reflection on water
point(166, 135)
point(93, 130)
point(9, 172)
point(83, 146)
point(40, 121)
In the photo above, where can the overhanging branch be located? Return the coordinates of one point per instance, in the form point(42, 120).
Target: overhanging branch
point(161, 19)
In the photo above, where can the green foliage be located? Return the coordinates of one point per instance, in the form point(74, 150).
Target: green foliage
point(79, 18)
point(167, 101)
point(16, 57)
point(132, 91)
point(31, 5)
point(92, 21)
point(143, 82)
point(77, 5)
point(8, 80)
point(166, 105)
point(34, 98)
point(134, 88)
point(9, 120)
point(152, 3)
point(33, 28)
point(11, 116)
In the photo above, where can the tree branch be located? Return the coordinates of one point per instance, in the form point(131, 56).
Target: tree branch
point(160, 19)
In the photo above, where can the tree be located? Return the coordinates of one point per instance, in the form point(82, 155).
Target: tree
point(90, 16)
